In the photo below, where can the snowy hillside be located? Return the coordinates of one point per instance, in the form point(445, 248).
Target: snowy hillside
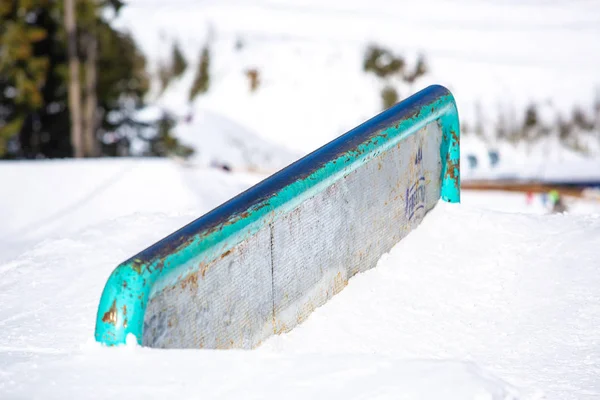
point(473, 304)
point(221, 141)
point(309, 57)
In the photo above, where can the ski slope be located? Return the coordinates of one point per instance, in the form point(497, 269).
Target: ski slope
point(47, 198)
point(499, 55)
point(476, 303)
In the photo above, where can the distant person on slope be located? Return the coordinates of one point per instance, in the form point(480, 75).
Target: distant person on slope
point(556, 200)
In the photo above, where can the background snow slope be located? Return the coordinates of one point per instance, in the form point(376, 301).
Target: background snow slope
point(544, 161)
point(474, 303)
point(495, 56)
point(501, 54)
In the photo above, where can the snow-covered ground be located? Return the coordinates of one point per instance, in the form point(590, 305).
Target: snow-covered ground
point(489, 299)
point(516, 294)
point(64, 196)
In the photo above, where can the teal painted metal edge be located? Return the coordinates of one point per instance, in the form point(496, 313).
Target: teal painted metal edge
point(193, 247)
point(450, 156)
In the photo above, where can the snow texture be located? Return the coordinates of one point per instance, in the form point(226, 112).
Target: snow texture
point(495, 55)
point(474, 304)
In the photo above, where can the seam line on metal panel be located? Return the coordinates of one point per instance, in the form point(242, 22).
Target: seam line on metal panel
point(272, 277)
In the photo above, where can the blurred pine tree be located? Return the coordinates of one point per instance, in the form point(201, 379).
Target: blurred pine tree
point(202, 79)
point(34, 111)
point(179, 62)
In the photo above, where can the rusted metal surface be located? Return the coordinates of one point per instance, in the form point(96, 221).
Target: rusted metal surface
point(234, 290)
point(348, 226)
point(203, 258)
point(110, 317)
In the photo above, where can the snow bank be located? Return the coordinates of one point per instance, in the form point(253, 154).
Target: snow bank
point(59, 197)
point(179, 374)
point(50, 295)
point(474, 304)
point(219, 140)
point(502, 55)
point(517, 294)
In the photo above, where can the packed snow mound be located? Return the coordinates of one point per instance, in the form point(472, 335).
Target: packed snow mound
point(473, 304)
point(497, 55)
point(60, 197)
point(517, 294)
point(219, 141)
point(100, 373)
point(50, 295)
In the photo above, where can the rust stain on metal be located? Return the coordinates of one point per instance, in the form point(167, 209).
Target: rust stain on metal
point(148, 268)
point(234, 219)
point(137, 266)
point(263, 205)
point(124, 310)
point(191, 280)
point(203, 268)
point(228, 252)
point(454, 135)
point(110, 317)
point(339, 283)
point(452, 169)
point(125, 323)
point(172, 247)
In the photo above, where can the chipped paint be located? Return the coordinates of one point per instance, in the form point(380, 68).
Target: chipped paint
point(192, 249)
point(110, 317)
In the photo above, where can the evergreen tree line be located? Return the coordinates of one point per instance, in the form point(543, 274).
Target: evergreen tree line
point(70, 83)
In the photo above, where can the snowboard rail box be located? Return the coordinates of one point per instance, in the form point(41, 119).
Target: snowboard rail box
point(260, 263)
